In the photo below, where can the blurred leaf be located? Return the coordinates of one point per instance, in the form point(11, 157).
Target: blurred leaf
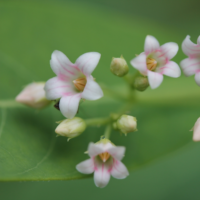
point(29, 149)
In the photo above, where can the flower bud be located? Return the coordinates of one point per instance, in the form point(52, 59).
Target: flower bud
point(119, 66)
point(141, 83)
point(196, 131)
point(33, 95)
point(71, 127)
point(126, 124)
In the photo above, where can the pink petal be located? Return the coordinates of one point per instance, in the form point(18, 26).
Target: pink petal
point(61, 65)
point(86, 167)
point(56, 88)
point(155, 79)
point(169, 50)
point(87, 62)
point(69, 105)
point(189, 48)
point(119, 170)
point(151, 44)
point(190, 66)
point(171, 69)
point(196, 131)
point(197, 78)
point(94, 149)
point(92, 90)
point(139, 63)
point(117, 152)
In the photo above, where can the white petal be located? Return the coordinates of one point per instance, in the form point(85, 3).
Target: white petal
point(69, 105)
point(61, 65)
point(94, 149)
point(117, 152)
point(101, 173)
point(139, 63)
point(171, 69)
point(92, 90)
point(189, 48)
point(151, 44)
point(198, 40)
point(155, 79)
point(169, 49)
point(119, 170)
point(190, 66)
point(196, 130)
point(86, 167)
point(87, 62)
point(56, 88)
point(197, 78)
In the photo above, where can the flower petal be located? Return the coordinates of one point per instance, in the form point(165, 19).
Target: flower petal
point(169, 49)
point(119, 170)
point(94, 149)
point(171, 69)
point(151, 44)
point(102, 173)
point(198, 40)
point(155, 79)
point(69, 105)
point(117, 152)
point(56, 88)
point(197, 78)
point(86, 167)
point(139, 63)
point(92, 90)
point(189, 48)
point(196, 130)
point(87, 62)
point(190, 66)
point(60, 64)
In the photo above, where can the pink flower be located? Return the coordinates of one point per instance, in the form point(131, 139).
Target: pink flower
point(104, 161)
point(191, 65)
point(155, 61)
point(73, 81)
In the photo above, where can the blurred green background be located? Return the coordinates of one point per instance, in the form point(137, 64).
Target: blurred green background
point(36, 28)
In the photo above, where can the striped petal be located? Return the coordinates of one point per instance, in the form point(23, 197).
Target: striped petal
point(155, 79)
point(117, 152)
point(151, 44)
point(86, 167)
point(119, 170)
point(169, 50)
point(190, 66)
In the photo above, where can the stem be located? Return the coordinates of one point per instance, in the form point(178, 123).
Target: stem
point(108, 131)
point(97, 121)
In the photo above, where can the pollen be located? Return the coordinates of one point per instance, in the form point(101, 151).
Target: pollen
point(151, 64)
point(104, 156)
point(80, 83)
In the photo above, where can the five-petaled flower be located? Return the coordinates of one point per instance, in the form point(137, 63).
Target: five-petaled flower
point(155, 61)
point(104, 161)
point(73, 81)
point(191, 65)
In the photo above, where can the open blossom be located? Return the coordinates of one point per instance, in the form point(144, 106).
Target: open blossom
point(73, 81)
point(155, 61)
point(105, 160)
point(191, 65)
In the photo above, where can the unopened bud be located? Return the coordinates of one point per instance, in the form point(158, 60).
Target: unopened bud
point(141, 83)
point(196, 131)
point(33, 95)
point(119, 66)
point(126, 124)
point(71, 127)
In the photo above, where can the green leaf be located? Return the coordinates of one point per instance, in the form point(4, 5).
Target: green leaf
point(29, 148)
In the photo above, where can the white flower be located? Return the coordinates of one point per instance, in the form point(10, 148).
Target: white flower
point(33, 95)
point(155, 61)
point(73, 81)
point(191, 65)
point(196, 131)
point(104, 161)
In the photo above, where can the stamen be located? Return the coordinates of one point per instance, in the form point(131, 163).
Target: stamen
point(104, 156)
point(151, 63)
point(80, 83)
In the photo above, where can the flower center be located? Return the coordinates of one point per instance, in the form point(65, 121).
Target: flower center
point(104, 156)
point(151, 63)
point(80, 83)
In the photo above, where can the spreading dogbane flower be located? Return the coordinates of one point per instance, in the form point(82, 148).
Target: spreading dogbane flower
point(105, 160)
point(155, 61)
point(191, 65)
point(73, 81)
